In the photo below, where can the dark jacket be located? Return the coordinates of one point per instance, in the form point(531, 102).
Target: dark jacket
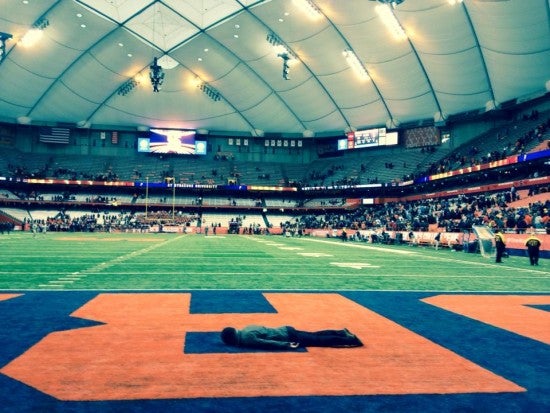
point(264, 337)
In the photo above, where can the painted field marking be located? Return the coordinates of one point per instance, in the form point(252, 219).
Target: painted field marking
point(4, 297)
point(144, 359)
point(356, 265)
point(361, 246)
point(509, 312)
point(256, 271)
point(75, 275)
point(501, 267)
point(315, 254)
point(492, 264)
point(98, 268)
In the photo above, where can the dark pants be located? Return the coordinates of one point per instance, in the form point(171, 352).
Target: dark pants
point(324, 338)
point(533, 255)
point(500, 252)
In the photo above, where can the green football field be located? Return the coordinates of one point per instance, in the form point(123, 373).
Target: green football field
point(129, 261)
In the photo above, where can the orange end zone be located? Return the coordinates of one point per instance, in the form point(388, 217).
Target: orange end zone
point(138, 354)
point(509, 312)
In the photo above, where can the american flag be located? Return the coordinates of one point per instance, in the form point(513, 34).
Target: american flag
point(114, 137)
point(49, 134)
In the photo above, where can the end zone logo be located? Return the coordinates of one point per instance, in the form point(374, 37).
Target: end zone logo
point(139, 351)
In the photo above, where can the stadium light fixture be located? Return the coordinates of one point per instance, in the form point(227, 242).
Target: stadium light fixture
point(392, 3)
point(127, 87)
point(35, 34)
point(355, 64)
point(309, 8)
point(156, 74)
point(286, 66)
point(279, 46)
point(210, 91)
point(3, 38)
point(283, 52)
point(390, 21)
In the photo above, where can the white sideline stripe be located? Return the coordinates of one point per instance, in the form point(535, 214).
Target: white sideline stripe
point(330, 290)
point(352, 245)
point(433, 257)
point(297, 274)
point(489, 264)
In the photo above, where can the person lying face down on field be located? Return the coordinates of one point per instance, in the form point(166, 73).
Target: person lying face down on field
point(287, 337)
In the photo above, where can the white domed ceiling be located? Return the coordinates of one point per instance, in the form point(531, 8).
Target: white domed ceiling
point(90, 63)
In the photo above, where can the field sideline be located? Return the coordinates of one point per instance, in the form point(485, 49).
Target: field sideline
point(130, 322)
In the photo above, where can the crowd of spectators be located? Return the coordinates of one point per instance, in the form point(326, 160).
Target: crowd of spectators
point(452, 215)
point(164, 217)
point(456, 214)
point(47, 171)
point(473, 155)
point(88, 222)
point(106, 222)
point(6, 227)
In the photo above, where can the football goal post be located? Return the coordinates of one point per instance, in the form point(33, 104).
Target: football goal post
point(485, 240)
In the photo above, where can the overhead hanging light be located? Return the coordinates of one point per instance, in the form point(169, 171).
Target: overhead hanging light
point(286, 66)
point(393, 3)
point(3, 38)
point(283, 52)
point(390, 21)
point(33, 35)
point(156, 74)
point(279, 46)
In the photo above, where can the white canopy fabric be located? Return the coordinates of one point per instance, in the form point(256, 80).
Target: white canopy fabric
point(91, 65)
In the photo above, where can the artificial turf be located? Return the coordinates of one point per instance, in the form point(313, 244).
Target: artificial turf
point(68, 261)
point(129, 322)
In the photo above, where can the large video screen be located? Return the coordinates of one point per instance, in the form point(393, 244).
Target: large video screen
point(367, 138)
point(171, 141)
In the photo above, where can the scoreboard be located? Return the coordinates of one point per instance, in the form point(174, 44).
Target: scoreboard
point(368, 138)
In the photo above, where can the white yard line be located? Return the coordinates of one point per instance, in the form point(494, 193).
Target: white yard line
point(98, 268)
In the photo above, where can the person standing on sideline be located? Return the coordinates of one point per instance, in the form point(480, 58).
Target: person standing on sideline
point(344, 234)
point(287, 337)
point(533, 249)
point(437, 240)
point(500, 245)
